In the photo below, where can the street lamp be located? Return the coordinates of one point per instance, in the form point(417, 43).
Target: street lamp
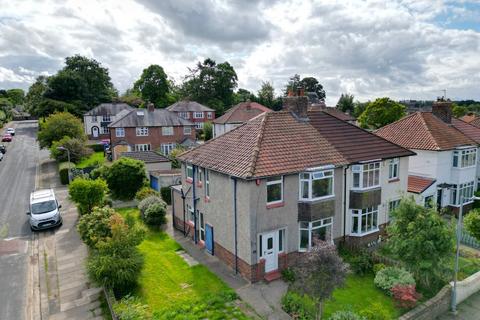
point(68, 158)
point(457, 255)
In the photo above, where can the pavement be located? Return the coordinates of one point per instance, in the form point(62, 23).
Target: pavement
point(17, 180)
point(467, 310)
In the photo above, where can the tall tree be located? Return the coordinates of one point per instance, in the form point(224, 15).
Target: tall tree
point(345, 103)
point(153, 86)
point(310, 84)
point(266, 94)
point(35, 94)
point(381, 112)
point(243, 95)
point(17, 96)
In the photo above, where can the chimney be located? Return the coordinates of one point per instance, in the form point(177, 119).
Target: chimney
point(298, 105)
point(442, 109)
point(151, 107)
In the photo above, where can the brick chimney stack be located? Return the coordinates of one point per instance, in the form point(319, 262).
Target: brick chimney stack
point(150, 107)
point(442, 109)
point(297, 104)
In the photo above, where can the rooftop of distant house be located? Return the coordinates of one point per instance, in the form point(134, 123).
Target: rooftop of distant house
point(332, 111)
point(145, 156)
point(108, 109)
point(189, 106)
point(242, 112)
point(150, 117)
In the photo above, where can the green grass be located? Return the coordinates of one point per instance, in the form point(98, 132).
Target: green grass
point(174, 290)
point(467, 267)
point(359, 293)
point(94, 159)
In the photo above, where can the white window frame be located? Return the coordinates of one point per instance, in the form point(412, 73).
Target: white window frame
point(141, 131)
point(361, 170)
point(322, 223)
point(188, 170)
point(393, 169)
point(187, 130)
point(280, 234)
point(465, 158)
point(198, 115)
point(466, 189)
point(167, 131)
point(393, 204)
point(209, 115)
point(275, 182)
point(106, 118)
point(183, 115)
point(104, 130)
point(310, 177)
point(201, 230)
point(199, 125)
point(207, 183)
point(429, 197)
point(167, 148)
point(191, 214)
point(359, 214)
point(143, 147)
point(119, 132)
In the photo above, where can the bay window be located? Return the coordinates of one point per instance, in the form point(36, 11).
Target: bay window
point(366, 175)
point(311, 232)
point(464, 158)
point(462, 191)
point(364, 220)
point(393, 165)
point(316, 185)
point(274, 190)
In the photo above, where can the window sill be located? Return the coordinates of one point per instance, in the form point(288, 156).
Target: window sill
point(365, 189)
point(317, 199)
point(364, 234)
point(190, 223)
point(275, 205)
point(201, 243)
point(199, 184)
point(393, 180)
point(207, 199)
point(189, 180)
point(464, 204)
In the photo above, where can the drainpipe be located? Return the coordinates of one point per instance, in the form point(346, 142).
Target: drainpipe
point(235, 222)
point(184, 222)
point(345, 203)
point(194, 199)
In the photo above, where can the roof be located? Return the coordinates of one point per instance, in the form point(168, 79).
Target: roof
point(156, 118)
point(273, 143)
point(469, 117)
point(171, 172)
point(354, 143)
point(42, 195)
point(424, 131)
point(186, 105)
point(242, 112)
point(145, 156)
point(332, 111)
point(189, 143)
point(417, 184)
point(467, 129)
point(110, 109)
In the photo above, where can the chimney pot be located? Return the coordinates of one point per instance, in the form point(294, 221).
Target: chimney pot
point(151, 107)
point(442, 109)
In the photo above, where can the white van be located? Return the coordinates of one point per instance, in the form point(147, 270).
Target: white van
point(44, 210)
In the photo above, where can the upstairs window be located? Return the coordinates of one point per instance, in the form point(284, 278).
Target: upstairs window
point(142, 131)
point(207, 183)
point(316, 185)
point(106, 118)
point(187, 131)
point(120, 132)
point(94, 119)
point(274, 190)
point(209, 115)
point(198, 115)
point(464, 158)
point(189, 171)
point(366, 175)
point(167, 131)
point(393, 168)
point(183, 115)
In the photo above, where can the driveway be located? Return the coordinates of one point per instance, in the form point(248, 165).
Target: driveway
point(17, 180)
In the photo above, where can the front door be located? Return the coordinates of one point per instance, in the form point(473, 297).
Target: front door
point(270, 251)
point(439, 198)
point(95, 132)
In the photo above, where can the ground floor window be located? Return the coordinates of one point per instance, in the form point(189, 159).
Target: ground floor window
point(364, 220)
point(191, 214)
point(202, 227)
point(428, 202)
point(166, 148)
point(104, 130)
point(314, 231)
point(142, 147)
point(392, 205)
point(462, 191)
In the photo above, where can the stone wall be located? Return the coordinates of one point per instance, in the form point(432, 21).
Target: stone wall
point(467, 287)
point(433, 308)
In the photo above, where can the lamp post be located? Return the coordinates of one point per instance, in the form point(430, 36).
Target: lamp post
point(68, 158)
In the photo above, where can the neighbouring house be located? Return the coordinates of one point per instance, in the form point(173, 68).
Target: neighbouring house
point(149, 130)
point(193, 111)
point(96, 121)
point(258, 196)
point(236, 116)
point(472, 119)
point(165, 178)
point(423, 190)
point(446, 151)
point(334, 112)
point(154, 161)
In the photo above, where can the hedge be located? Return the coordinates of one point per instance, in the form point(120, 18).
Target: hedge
point(96, 147)
point(166, 193)
point(63, 170)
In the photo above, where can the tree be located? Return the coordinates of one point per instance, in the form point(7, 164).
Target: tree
point(207, 131)
point(35, 95)
point(266, 94)
point(309, 84)
point(76, 147)
point(174, 154)
point(132, 98)
point(16, 96)
point(345, 103)
point(59, 125)
point(153, 85)
point(420, 238)
point(95, 226)
point(125, 177)
point(359, 108)
point(472, 223)
point(318, 272)
point(381, 112)
point(243, 95)
point(48, 106)
point(459, 111)
point(87, 193)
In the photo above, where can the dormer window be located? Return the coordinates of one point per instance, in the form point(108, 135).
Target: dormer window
point(316, 185)
point(464, 158)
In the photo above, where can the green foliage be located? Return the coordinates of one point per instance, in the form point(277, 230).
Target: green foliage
point(389, 277)
point(166, 193)
point(207, 131)
point(459, 111)
point(153, 86)
point(359, 108)
point(145, 192)
point(472, 223)
point(96, 147)
point(345, 103)
point(94, 160)
point(381, 112)
point(174, 155)
point(16, 96)
point(63, 171)
point(346, 315)
point(155, 213)
point(131, 308)
point(298, 306)
point(95, 226)
point(377, 267)
point(266, 94)
point(361, 263)
point(147, 202)
point(35, 95)
point(48, 106)
point(87, 193)
point(75, 146)
point(309, 84)
point(376, 311)
point(59, 125)
point(125, 177)
point(288, 275)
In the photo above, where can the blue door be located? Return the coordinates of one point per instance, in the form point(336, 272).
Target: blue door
point(154, 183)
point(209, 238)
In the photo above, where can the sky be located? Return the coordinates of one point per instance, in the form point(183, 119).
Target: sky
point(404, 49)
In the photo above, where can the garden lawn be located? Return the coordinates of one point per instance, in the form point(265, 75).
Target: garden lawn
point(468, 266)
point(359, 293)
point(174, 290)
point(93, 160)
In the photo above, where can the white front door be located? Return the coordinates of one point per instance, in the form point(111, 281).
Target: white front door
point(270, 253)
point(95, 132)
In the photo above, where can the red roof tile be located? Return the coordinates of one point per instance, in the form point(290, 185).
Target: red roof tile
point(332, 111)
point(242, 112)
point(469, 118)
point(417, 184)
point(467, 129)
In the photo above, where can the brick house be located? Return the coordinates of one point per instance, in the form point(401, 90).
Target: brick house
point(193, 111)
point(149, 130)
point(96, 121)
point(258, 196)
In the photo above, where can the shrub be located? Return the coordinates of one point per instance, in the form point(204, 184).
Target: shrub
point(100, 172)
point(96, 147)
point(346, 315)
point(63, 171)
point(87, 193)
point(389, 277)
point(95, 227)
point(74, 145)
point(155, 213)
point(125, 177)
point(361, 263)
point(298, 306)
point(406, 296)
point(131, 308)
point(145, 203)
point(377, 267)
point(288, 275)
point(472, 223)
point(145, 192)
point(166, 194)
point(59, 125)
point(375, 312)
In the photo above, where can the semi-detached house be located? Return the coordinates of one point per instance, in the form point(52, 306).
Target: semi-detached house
point(259, 195)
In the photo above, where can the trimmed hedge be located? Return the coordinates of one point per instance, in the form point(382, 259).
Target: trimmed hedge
point(96, 147)
point(63, 170)
point(166, 193)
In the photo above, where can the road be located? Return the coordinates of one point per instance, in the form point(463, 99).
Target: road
point(17, 180)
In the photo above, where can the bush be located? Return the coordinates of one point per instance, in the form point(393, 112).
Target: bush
point(346, 315)
point(406, 296)
point(288, 275)
point(100, 172)
point(59, 125)
point(63, 171)
point(145, 203)
point(87, 193)
point(298, 306)
point(96, 147)
point(74, 145)
point(131, 308)
point(361, 263)
point(145, 192)
point(95, 227)
point(472, 223)
point(377, 267)
point(125, 177)
point(166, 194)
point(390, 277)
point(375, 312)
point(155, 213)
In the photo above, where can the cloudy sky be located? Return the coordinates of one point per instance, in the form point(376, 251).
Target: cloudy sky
point(405, 49)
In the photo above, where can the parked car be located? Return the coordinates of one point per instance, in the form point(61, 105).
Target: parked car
point(11, 131)
point(3, 149)
point(44, 210)
point(7, 137)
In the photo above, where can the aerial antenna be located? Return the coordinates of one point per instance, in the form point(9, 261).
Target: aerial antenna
point(444, 94)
